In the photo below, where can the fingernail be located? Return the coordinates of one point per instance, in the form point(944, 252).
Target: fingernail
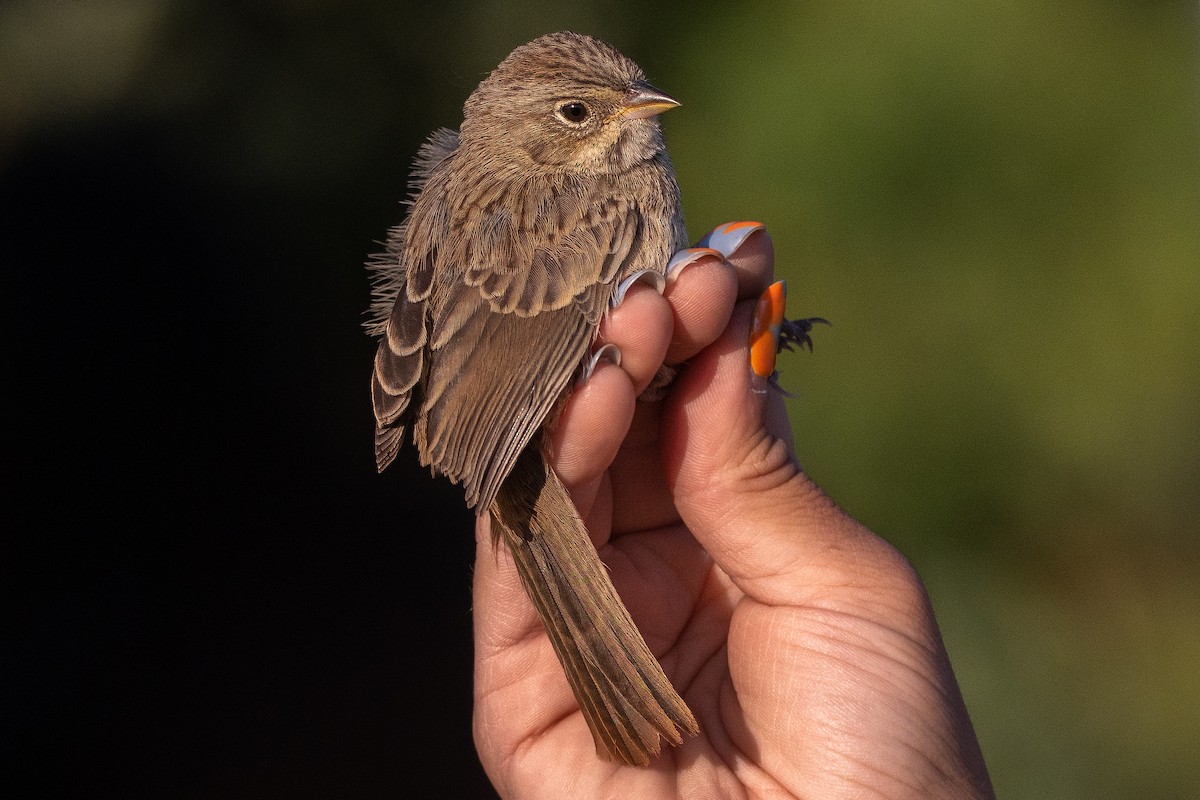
point(689, 256)
point(728, 238)
point(650, 276)
point(764, 333)
point(609, 352)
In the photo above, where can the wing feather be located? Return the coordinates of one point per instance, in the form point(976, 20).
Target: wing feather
point(399, 313)
point(507, 340)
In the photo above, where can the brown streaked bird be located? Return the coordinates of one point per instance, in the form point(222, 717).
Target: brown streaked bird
point(522, 225)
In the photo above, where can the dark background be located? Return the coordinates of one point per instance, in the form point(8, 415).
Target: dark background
point(208, 592)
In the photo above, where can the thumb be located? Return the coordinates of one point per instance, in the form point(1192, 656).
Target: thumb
point(730, 463)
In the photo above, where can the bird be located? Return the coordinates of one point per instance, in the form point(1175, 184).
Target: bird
point(555, 190)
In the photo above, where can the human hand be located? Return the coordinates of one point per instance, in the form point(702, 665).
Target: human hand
point(804, 644)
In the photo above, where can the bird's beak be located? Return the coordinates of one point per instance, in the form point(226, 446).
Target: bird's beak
point(643, 100)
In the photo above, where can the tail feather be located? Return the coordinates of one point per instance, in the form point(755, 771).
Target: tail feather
point(627, 700)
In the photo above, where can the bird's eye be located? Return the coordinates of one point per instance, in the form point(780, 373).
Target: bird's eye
point(573, 112)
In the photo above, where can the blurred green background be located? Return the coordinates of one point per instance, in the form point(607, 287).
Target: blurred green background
point(996, 203)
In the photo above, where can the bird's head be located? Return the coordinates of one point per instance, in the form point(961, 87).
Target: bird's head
point(565, 103)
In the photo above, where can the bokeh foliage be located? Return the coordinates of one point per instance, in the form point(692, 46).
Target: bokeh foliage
point(996, 203)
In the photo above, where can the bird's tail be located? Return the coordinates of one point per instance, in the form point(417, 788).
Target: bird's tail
point(621, 688)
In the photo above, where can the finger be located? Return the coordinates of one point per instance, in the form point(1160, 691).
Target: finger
point(640, 327)
point(637, 473)
point(701, 294)
point(728, 458)
point(734, 261)
point(749, 250)
point(587, 435)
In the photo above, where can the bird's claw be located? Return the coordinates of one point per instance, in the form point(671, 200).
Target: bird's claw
point(795, 332)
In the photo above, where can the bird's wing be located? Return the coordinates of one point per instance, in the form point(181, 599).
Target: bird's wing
point(398, 313)
point(509, 333)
